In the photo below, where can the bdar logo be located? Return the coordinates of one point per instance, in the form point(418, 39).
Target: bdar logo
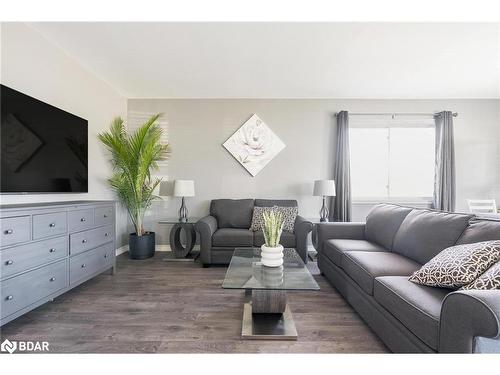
point(8, 346)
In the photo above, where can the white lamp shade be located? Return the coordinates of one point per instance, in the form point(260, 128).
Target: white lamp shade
point(324, 188)
point(184, 188)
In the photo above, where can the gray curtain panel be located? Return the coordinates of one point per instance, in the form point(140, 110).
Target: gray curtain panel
point(444, 182)
point(341, 204)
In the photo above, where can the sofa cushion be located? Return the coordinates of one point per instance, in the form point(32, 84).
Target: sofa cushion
point(334, 249)
point(424, 233)
point(487, 281)
point(458, 265)
point(232, 237)
point(417, 307)
point(232, 213)
point(383, 222)
point(287, 239)
point(480, 230)
point(364, 266)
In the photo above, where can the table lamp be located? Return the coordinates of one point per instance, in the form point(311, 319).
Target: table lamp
point(324, 188)
point(183, 188)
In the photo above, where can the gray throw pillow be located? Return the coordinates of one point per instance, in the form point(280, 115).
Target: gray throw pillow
point(458, 265)
point(487, 281)
point(289, 216)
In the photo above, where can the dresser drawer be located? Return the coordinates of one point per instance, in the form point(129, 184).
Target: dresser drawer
point(46, 225)
point(109, 254)
point(104, 215)
point(81, 219)
point(23, 290)
point(15, 230)
point(83, 241)
point(23, 257)
point(89, 262)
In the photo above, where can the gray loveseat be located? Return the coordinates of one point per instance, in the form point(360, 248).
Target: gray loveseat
point(369, 264)
point(227, 227)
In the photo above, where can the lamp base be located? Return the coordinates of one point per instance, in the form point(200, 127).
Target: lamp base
point(323, 213)
point(183, 212)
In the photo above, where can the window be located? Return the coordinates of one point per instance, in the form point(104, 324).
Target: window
point(392, 160)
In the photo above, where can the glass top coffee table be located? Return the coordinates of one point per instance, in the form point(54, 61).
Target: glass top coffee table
point(266, 314)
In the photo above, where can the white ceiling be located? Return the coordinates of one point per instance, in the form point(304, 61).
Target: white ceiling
point(287, 60)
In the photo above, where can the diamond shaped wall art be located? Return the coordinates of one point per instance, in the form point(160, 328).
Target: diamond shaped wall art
point(254, 145)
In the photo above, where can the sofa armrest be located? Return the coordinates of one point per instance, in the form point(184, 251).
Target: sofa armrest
point(206, 227)
point(302, 227)
point(466, 315)
point(337, 230)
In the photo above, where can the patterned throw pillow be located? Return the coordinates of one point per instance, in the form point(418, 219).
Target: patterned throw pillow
point(289, 216)
point(459, 265)
point(488, 280)
point(257, 219)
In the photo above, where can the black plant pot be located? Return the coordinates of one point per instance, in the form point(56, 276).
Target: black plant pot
point(141, 247)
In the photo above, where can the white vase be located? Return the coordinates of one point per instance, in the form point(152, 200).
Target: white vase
point(271, 256)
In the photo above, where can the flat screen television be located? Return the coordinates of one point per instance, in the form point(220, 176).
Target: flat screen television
point(43, 148)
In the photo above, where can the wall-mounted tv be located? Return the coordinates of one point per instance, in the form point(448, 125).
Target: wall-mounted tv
point(43, 148)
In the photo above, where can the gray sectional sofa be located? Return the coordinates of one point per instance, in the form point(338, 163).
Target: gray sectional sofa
point(369, 264)
point(227, 227)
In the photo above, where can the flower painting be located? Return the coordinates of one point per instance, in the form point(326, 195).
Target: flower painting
point(254, 145)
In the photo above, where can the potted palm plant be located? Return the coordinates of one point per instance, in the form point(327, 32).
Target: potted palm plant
point(133, 157)
point(272, 250)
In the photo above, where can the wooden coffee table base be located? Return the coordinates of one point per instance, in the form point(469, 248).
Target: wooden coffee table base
point(267, 316)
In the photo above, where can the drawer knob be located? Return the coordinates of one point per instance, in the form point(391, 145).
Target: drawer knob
point(8, 298)
point(84, 241)
point(52, 250)
point(105, 215)
point(52, 225)
point(9, 231)
point(83, 219)
point(9, 262)
point(84, 265)
point(105, 255)
point(106, 234)
point(52, 279)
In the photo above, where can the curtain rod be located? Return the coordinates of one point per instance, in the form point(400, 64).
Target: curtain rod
point(455, 114)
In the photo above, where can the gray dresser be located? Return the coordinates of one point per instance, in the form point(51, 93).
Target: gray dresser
point(48, 248)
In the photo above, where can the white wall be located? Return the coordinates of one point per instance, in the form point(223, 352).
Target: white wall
point(33, 65)
point(197, 128)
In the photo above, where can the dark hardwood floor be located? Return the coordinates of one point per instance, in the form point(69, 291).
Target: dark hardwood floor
point(154, 306)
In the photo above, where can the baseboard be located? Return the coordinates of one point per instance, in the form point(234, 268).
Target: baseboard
point(124, 249)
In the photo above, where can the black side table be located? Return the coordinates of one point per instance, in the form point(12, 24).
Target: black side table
point(181, 251)
point(312, 254)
